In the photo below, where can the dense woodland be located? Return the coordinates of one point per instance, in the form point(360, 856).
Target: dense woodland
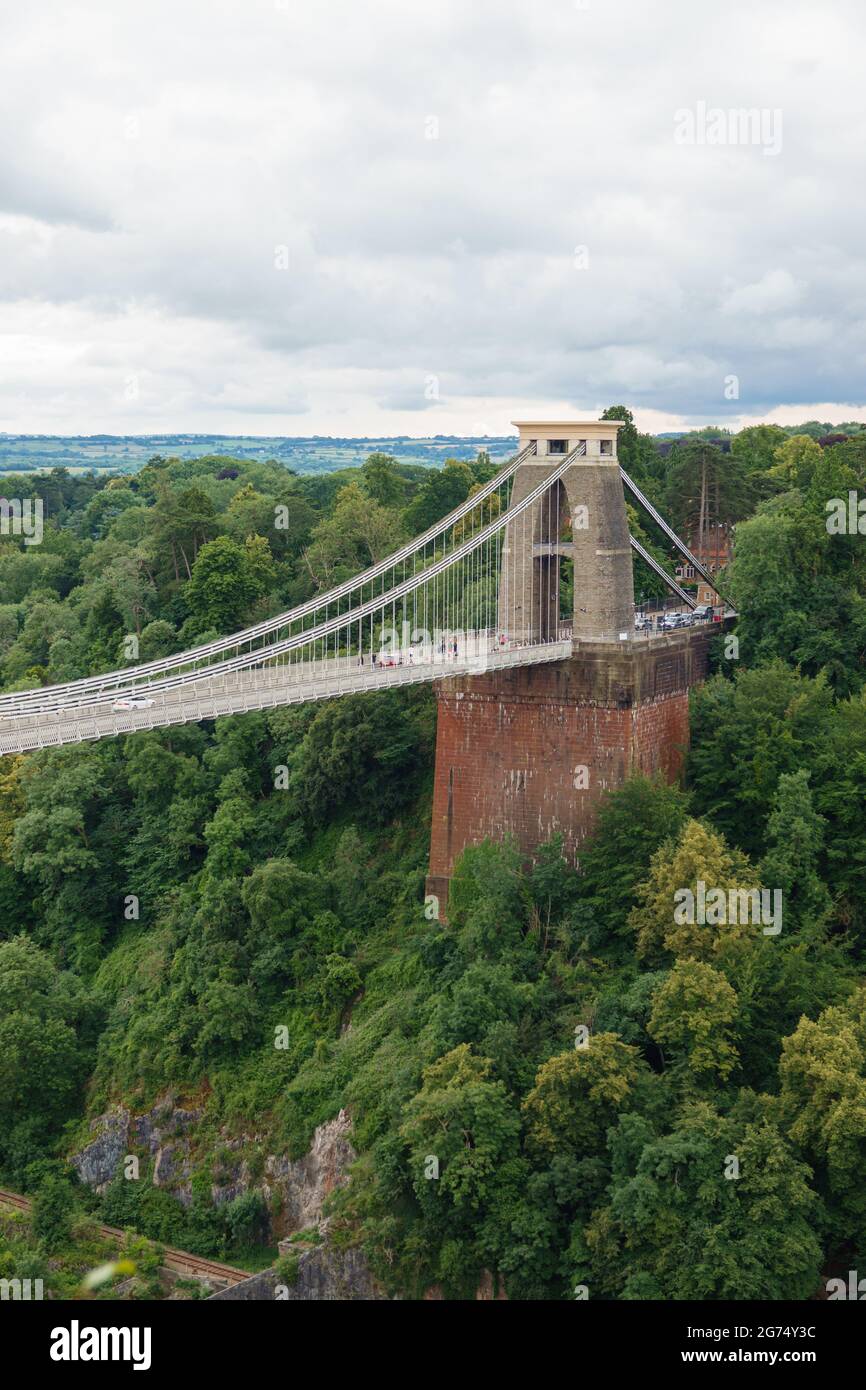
point(302, 906)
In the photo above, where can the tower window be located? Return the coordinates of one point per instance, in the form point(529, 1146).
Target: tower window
point(606, 446)
point(557, 446)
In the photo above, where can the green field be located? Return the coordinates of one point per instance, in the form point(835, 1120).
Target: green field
point(318, 454)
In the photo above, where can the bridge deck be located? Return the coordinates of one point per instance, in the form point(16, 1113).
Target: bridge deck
point(257, 689)
point(267, 687)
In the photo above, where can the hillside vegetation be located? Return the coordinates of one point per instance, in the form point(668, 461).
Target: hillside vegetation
point(562, 1085)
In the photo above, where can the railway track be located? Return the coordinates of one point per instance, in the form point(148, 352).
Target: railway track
point(178, 1261)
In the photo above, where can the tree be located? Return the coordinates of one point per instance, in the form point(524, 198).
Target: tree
point(823, 1103)
point(104, 630)
point(486, 903)
point(636, 452)
point(666, 921)
point(383, 481)
point(107, 506)
point(681, 1223)
point(693, 1011)
point(283, 517)
point(182, 523)
point(577, 1094)
point(226, 580)
point(45, 620)
point(440, 493)
point(632, 823)
point(364, 750)
point(795, 461)
point(51, 1217)
point(465, 1121)
point(705, 493)
point(47, 1032)
point(755, 447)
point(745, 734)
point(246, 1218)
point(158, 638)
point(553, 884)
point(801, 592)
point(795, 831)
point(62, 842)
point(358, 532)
point(337, 982)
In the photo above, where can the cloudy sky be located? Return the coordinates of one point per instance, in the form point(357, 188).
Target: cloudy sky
point(395, 216)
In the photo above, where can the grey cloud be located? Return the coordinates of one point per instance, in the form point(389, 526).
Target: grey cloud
point(161, 163)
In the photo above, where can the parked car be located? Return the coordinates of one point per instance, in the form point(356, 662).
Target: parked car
point(127, 702)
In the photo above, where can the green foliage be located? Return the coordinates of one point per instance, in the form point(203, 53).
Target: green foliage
point(463, 1120)
point(226, 580)
point(47, 1032)
point(632, 825)
point(664, 924)
point(800, 590)
point(441, 492)
point(823, 1102)
point(577, 1094)
point(693, 1011)
point(51, 1217)
point(246, 1219)
point(674, 1226)
point(281, 968)
point(286, 1270)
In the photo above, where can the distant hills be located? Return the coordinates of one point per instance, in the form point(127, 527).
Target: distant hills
point(126, 453)
point(316, 454)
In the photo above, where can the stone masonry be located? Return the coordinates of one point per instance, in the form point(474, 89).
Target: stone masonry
point(531, 751)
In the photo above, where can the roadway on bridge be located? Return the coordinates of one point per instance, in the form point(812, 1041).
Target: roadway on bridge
point(262, 688)
point(268, 687)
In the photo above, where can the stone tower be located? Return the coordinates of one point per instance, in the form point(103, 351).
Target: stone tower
point(530, 751)
point(583, 518)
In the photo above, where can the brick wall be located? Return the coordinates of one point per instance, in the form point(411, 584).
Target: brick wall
point(533, 751)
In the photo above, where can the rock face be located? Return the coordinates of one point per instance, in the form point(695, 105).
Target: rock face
point(324, 1275)
point(303, 1184)
point(162, 1132)
point(294, 1191)
point(98, 1162)
point(165, 1133)
point(484, 1293)
point(487, 1291)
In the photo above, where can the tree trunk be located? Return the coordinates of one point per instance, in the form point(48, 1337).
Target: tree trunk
point(702, 523)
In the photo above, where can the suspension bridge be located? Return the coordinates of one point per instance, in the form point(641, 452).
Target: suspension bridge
point(478, 593)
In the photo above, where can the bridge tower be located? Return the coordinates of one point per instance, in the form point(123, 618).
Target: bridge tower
point(583, 519)
point(531, 751)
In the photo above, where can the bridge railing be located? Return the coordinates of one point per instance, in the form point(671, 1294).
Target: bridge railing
point(439, 534)
point(442, 588)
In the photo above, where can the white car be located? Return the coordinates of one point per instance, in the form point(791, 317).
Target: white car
point(125, 702)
